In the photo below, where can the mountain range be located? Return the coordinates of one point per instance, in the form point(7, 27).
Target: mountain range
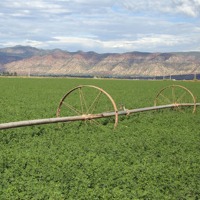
point(25, 60)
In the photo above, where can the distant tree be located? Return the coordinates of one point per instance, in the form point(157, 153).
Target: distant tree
point(5, 73)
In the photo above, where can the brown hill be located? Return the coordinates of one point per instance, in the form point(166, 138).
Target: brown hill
point(25, 60)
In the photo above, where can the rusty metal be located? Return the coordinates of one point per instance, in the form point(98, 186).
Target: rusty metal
point(53, 120)
point(90, 116)
point(85, 117)
point(176, 101)
point(88, 111)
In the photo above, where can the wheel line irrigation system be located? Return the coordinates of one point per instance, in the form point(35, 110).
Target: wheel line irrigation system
point(90, 114)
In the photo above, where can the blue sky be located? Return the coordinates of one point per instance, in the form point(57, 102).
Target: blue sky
point(102, 25)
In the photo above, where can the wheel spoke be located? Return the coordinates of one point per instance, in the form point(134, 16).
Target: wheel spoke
point(95, 122)
point(71, 108)
point(100, 125)
point(166, 98)
point(173, 95)
point(94, 103)
point(176, 95)
point(83, 102)
point(181, 97)
point(159, 101)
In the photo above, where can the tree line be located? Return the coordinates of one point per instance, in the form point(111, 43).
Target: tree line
point(8, 73)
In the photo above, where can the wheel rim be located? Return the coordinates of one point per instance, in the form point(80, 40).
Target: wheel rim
point(88, 100)
point(177, 95)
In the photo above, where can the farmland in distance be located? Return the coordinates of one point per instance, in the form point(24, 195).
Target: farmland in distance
point(150, 155)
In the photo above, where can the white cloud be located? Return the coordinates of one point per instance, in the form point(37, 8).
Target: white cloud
point(107, 25)
point(32, 43)
point(187, 7)
point(95, 2)
point(142, 42)
point(149, 43)
point(36, 7)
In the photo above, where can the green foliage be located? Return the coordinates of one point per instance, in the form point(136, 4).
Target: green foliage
point(152, 155)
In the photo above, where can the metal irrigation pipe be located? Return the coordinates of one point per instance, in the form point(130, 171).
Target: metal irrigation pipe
point(86, 117)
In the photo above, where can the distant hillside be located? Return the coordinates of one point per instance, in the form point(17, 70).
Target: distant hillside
point(28, 60)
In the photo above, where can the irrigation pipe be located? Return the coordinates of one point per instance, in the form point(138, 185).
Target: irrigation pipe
point(86, 117)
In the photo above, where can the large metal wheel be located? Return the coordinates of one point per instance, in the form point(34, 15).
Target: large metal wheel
point(89, 101)
point(180, 97)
